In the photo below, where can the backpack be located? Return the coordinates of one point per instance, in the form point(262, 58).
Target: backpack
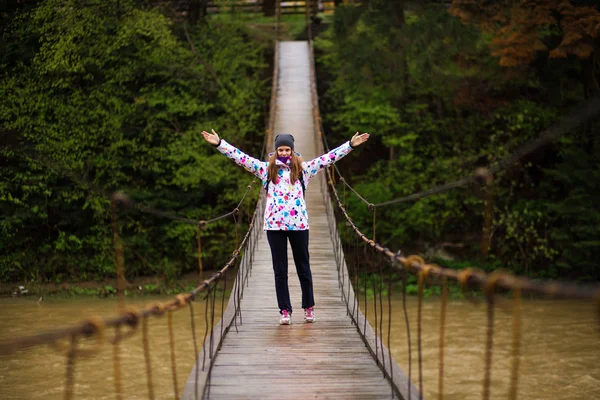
point(301, 179)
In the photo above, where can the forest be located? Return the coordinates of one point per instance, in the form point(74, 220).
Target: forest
point(108, 96)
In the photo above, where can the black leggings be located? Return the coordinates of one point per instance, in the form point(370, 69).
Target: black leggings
point(299, 242)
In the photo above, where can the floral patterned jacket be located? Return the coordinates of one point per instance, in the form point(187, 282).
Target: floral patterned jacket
point(286, 208)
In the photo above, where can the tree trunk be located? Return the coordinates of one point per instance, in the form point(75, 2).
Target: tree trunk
point(198, 11)
point(590, 76)
point(398, 12)
point(268, 8)
point(487, 216)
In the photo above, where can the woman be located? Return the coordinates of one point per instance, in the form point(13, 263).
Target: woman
point(285, 177)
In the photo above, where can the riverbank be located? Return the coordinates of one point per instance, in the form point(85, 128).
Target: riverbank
point(138, 286)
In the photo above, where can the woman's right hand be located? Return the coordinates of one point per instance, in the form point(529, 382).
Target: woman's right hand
point(211, 138)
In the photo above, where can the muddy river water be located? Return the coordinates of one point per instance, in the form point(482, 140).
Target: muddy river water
point(560, 354)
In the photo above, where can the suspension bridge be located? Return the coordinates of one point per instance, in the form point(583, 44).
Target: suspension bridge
point(326, 359)
point(246, 354)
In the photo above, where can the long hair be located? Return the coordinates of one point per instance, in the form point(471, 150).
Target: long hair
point(295, 168)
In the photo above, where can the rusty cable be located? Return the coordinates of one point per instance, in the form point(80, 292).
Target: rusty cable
point(516, 344)
point(236, 304)
point(117, 363)
point(223, 301)
point(240, 291)
point(374, 221)
point(133, 316)
point(489, 288)
point(356, 300)
point(444, 301)
point(88, 329)
point(376, 315)
point(167, 215)
point(205, 331)
point(407, 323)
point(70, 369)
point(357, 284)
point(94, 324)
point(199, 244)
point(341, 280)
point(117, 199)
point(389, 332)
point(195, 342)
point(346, 184)
point(584, 113)
point(147, 358)
point(380, 284)
point(237, 225)
point(422, 278)
point(211, 294)
point(549, 288)
point(172, 348)
point(365, 307)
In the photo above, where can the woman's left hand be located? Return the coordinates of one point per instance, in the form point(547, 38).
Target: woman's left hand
point(359, 139)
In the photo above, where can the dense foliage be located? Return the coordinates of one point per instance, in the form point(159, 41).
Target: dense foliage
point(113, 96)
point(447, 90)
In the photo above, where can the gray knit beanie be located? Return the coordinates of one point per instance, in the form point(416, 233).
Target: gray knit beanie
point(284, 139)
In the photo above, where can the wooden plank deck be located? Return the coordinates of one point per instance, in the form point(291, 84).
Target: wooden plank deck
point(327, 359)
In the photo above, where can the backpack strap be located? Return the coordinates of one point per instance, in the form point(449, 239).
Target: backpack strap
point(301, 179)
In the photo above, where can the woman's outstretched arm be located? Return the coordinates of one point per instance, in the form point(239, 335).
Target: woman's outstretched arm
point(317, 164)
point(251, 164)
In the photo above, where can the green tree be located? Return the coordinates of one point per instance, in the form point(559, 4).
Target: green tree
point(109, 97)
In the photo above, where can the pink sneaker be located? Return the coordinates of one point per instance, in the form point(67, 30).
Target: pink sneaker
point(309, 314)
point(285, 318)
